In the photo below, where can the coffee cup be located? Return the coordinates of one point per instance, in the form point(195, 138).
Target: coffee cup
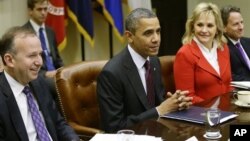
point(243, 97)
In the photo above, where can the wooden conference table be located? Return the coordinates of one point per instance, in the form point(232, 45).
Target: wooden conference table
point(176, 130)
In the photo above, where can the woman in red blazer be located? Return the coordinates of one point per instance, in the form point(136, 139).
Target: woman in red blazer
point(202, 64)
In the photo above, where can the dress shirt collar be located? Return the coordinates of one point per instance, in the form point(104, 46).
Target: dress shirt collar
point(137, 58)
point(233, 41)
point(205, 49)
point(36, 26)
point(15, 86)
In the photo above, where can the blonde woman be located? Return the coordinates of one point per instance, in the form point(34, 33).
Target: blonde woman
point(202, 64)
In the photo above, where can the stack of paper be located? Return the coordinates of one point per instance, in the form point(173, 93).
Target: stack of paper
point(115, 137)
point(241, 84)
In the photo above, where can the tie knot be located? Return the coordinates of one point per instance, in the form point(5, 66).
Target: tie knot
point(147, 65)
point(237, 44)
point(26, 90)
point(40, 29)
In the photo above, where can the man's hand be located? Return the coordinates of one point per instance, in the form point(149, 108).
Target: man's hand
point(177, 101)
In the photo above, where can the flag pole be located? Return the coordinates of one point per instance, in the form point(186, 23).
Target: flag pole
point(82, 47)
point(110, 40)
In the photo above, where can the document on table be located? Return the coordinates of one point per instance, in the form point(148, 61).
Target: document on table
point(196, 114)
point(115, 137)
point(241, 84)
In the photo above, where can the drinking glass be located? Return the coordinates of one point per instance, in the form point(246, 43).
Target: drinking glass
point(125, 135)
point(213, 123)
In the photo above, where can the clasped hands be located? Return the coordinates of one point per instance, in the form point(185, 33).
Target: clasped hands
point(177, 101)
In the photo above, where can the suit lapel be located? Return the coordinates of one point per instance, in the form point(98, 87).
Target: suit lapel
point(134, 78)
point(49, 37)
point(155, 67)
point(223, 60)
point(246, 47)
point(14, 112)
point(236, 51)
point(202, 61)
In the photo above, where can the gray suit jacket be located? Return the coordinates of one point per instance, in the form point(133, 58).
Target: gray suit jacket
point(240, 70)
point(122, 98)
point(12, 127)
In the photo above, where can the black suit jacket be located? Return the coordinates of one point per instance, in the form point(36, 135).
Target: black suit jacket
point(12, 127)
point(121, 95)
point(57, 61)
point(240, 70)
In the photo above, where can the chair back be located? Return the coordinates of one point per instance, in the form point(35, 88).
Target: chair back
point(76, 89)
point(167, 72)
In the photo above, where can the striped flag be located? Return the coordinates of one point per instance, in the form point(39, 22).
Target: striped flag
point(112, 10)
point(56, 20)
point(81, 12)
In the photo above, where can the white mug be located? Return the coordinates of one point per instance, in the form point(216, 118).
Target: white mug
point(243, 96)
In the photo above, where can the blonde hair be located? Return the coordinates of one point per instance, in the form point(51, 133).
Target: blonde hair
point(205, 9)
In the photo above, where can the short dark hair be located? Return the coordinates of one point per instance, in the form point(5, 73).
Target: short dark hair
point(135, 16)
point(225, 12)
point(31, 3)
point(7, 40)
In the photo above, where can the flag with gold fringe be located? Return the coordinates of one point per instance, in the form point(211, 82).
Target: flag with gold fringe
point(56, 20)
point(81, 13)
point(112, 10)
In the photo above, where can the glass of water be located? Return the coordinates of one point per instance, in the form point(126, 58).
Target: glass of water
point(213, 123)
point(125, 135)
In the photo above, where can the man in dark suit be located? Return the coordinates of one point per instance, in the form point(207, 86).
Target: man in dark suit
point(38, 14)
point(21, 51)
point(122, 88)
point(239, 55)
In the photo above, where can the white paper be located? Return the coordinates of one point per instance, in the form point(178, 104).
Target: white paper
point(193, 138)
point(115, 137)
point(241, 84)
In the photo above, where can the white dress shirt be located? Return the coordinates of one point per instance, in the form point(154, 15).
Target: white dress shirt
point(139, 62)
point(22, 104)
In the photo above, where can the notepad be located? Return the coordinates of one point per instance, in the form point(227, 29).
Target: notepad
point(197, 115)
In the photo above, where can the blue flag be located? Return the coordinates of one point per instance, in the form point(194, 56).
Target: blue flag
point(112, 10)
point(81, 12)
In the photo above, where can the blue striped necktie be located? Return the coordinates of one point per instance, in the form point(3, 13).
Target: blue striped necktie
point(36, 117)
point(48, 60)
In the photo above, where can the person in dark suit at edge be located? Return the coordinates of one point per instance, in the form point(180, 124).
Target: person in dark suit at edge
point(21, 51)
point(122, 87)
point(234, 30)
point(37, 10)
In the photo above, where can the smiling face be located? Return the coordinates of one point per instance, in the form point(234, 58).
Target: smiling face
point(205, 29)
point(146, 39)
point(25, 62)
point(235, 26)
